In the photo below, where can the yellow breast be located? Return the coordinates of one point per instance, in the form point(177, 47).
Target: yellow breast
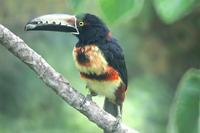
point(96, 62)
point(105, 88)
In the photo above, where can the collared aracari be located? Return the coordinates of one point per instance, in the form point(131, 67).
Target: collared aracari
point(97, 55)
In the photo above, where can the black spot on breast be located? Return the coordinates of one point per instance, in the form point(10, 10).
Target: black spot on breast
point(82, 58)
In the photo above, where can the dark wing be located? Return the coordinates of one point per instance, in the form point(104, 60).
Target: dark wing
point(115, 58)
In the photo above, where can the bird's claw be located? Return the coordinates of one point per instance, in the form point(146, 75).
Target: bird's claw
point(88, 97)
point(85, 99)
point(117, 123)
point(119, 118)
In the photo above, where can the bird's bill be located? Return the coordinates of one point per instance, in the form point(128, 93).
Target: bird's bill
point(53, 22)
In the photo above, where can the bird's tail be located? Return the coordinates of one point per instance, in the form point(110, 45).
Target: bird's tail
point(111, 108)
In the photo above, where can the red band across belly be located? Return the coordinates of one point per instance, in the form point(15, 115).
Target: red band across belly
point(109, 75)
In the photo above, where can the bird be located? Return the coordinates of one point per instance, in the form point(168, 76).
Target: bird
point(97, 55)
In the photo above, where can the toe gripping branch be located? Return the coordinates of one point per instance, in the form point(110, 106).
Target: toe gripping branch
point(88, 98)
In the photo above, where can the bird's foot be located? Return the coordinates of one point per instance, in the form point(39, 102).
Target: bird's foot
point(119, 118)
point(85, 99)
point(117, 123)
point(88, 97)
point(119, 113)
point(92, 93)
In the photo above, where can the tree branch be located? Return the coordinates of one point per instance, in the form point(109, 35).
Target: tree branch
point(59, 84)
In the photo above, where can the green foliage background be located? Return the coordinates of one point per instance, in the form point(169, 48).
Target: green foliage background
point(160, 39)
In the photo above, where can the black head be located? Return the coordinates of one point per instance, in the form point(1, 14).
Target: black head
point(91, 28)
point(87, 27)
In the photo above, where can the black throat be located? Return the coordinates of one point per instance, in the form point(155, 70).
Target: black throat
point(91, 35)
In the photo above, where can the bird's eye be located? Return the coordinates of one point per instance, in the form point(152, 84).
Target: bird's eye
point(81, 23)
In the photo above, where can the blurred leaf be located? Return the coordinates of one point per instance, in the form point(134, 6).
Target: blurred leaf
point(147, 104)
point(185, 111)
point(75, 3)
point(113, 10)
point(172, 10)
